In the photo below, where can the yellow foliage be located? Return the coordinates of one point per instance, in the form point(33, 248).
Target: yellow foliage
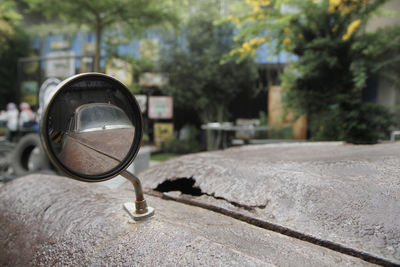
point(256, 9)
point(233, 19)
point(286, 30)
point(249, 47)
point(334, 4)
point(351, 28)
point(345, 6)
point(258, 3)
point(261, 16)
point(286, 41)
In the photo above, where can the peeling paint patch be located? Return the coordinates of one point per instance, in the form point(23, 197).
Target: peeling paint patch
point(187, 186)
point(183, 185)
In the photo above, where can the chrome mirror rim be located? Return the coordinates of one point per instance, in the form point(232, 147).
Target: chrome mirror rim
point(137, 136)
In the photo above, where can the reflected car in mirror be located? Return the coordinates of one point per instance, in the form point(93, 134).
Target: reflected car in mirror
point(96, 139)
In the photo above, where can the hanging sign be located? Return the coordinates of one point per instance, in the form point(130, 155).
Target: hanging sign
point(160, 107)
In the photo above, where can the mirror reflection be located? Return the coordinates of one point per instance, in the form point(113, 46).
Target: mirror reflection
point(91, 125)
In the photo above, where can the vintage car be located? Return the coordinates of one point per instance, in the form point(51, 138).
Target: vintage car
point(297, 204)
point(94, 136)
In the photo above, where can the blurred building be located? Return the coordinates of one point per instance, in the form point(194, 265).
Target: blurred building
point(383, 90)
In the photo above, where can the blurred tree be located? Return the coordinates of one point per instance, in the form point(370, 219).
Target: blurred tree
point(16, 48)
point(336, 57)
point(9, 19)
point(13, 44)
point(198, 79)
point(101, 15)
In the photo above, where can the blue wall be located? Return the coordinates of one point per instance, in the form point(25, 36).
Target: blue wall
point(263, 54)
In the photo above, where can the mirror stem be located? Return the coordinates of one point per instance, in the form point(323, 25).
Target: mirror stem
point(138, 210)
point(136, 184)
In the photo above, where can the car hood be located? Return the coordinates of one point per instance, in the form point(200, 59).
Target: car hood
point(49, 220)
point(345, 197)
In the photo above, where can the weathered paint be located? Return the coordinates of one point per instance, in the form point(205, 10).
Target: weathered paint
point(337, 193)
point(55, 221)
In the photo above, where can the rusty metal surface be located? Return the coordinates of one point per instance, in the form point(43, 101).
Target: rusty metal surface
point(55, 221)
point(342, 194)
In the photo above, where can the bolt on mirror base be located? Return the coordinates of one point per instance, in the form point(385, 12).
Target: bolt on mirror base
point(138, 213)
point(138, 210)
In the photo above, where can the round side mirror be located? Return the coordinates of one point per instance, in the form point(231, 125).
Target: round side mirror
point(91, 129)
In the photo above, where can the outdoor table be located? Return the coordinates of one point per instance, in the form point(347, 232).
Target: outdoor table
point(226, 128)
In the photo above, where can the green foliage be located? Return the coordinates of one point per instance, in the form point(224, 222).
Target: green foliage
point(274, 133)
point(146, 138)
point(263, 117)
point(13, 44)
point(125, 16)
point(197, 79)
point(16, 48)
point(188, 145)
point(281, 133)
point(163, 156)
point(354, 122)
point(335, 55)
point(9, 20)
point(106, 13)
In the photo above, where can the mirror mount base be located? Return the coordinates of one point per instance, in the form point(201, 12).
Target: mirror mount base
point(138, 214)
point(138, 210)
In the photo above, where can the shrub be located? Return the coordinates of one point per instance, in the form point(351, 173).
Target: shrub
point(186, 144)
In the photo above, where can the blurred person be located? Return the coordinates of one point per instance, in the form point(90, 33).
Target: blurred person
point(11, 118)
point(26, 116)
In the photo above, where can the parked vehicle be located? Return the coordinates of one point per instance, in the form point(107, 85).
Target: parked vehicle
point(96, 130)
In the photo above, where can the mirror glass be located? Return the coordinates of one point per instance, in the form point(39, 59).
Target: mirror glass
point(92, 127)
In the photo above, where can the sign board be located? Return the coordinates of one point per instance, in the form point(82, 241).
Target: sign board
point(120, 70)
point(32, 66)
point(150, 79)
point(142, 101)
point(58, 45)
point(60, 64)
point(160, 107)
point(29, 92)
point(162, 132)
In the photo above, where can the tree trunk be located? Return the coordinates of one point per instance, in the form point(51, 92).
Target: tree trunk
point(219, 135)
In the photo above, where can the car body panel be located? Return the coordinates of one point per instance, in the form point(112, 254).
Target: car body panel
point(52, 220)
point(342, 195)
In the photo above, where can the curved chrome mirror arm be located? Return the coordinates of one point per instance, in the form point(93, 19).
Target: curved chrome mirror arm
point(138, 210)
